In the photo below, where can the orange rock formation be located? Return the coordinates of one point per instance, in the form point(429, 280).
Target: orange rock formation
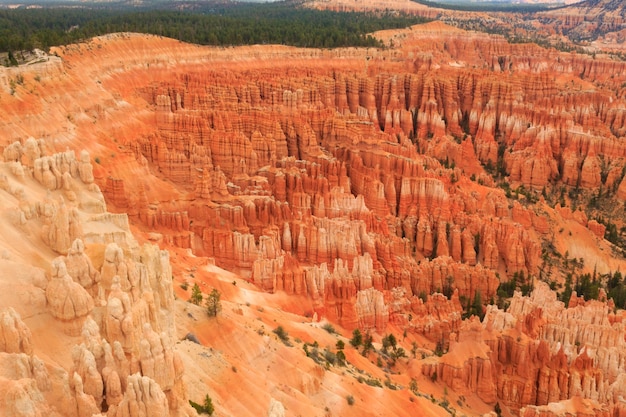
point(357, 179)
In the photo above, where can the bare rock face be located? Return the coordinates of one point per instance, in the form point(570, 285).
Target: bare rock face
point(119, 317)
point(62, 227)
point(68, 301)
point(371, 310)
point(368, 172)
point(540, 353)
point(22, 399)
point(467, 366)
point(81, 269)
point(557, 352)
point(572, 407)
point(15, 336)
point(437, 317)
point(597, 228)
point(143, 398)
point(157, 358)
point(86, 377)
point(443, 274)
point(85, 403)
point(276, 409)
point(26, 384)
point(115, 265)
point(85, 169)
point(132, 291)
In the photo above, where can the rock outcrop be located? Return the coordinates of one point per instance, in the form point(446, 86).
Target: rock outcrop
point(391, 187)
point(539, 353)
point(15, 336)
point(106, 306)
point(277, 179)
point(68, 301)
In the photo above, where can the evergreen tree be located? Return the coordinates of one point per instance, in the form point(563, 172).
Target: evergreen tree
point(213, 305)
point(357, 338)
point(368, 344)
point(196, 295)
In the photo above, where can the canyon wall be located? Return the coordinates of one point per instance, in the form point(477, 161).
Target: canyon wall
point(371, 181)
point(294, 180)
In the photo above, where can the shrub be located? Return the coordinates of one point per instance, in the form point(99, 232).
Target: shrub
point(330, 357)
point(357, 338)
point(390, 385)
point(282, 335)
point(389, 341)
point(350, 400)
point(413, 386)
point(372, 382)
point(329, 328)
point(341, 358)
point(368, 344)
point(397, 354)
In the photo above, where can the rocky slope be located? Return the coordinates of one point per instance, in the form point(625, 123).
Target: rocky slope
point(359, 183)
